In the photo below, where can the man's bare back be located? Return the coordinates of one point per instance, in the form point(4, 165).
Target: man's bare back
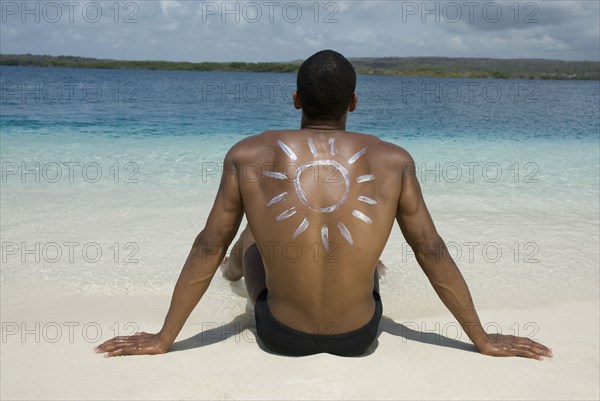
point(320, 203)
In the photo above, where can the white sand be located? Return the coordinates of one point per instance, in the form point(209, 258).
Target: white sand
point(555, 300)
point(226, 362)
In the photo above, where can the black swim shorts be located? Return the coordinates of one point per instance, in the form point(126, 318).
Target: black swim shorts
point(288, 341)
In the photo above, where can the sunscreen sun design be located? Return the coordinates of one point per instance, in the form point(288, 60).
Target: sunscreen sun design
point(305, 199)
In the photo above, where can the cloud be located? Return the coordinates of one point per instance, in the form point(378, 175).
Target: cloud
point(167, 5)
point(206, 31)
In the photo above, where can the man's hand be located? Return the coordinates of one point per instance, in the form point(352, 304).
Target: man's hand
point(137, 344)
point(502, 345)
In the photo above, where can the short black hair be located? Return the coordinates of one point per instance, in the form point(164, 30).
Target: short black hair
point(326, 82)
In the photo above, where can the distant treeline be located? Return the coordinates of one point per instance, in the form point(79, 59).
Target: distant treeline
point(30, 60)
point(399, 66)
point(479, 68)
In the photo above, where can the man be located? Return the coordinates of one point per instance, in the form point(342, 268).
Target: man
point(320, 204)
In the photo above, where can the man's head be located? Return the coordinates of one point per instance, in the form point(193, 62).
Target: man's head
point(326, 83)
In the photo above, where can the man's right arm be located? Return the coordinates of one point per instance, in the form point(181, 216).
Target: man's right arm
point(208, 250)
point(439, 267)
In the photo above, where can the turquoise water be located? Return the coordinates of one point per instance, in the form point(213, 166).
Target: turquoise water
point(134, 157)
point(514, 137)
point(439, 120)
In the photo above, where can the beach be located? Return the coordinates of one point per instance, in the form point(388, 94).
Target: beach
point(421, 353)
point(100, 204)
point(217, 357)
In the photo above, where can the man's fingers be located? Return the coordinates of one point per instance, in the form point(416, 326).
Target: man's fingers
point(114, 346)
point(110, 346)
point(508, 345)
point(531, 350)
point(117, 340)
point(132, 349)
point(120, 341)
point(118, 352)
point(535, 353)
point(106, 346)
point(127, 349)
point(536, 347)
point(542, 350)
point(140, 343)
point(529, 354)
point(546, 350)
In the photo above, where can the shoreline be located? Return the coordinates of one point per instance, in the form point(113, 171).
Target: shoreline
point(415, 67)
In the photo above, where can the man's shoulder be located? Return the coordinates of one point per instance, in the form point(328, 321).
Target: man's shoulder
point(385, 149)
point(252, 146)
point(398, 153)
point(262, 139)
point(255, 146)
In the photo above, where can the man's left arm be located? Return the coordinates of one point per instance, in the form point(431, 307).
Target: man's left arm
point(443, 274)
point(206, 254)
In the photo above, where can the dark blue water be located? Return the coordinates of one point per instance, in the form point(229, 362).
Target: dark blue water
point(166, 103)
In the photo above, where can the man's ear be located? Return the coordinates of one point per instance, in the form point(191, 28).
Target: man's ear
point(353, 102)
point(296, 98)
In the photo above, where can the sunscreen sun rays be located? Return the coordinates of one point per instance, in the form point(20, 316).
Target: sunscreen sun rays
point(304, 198)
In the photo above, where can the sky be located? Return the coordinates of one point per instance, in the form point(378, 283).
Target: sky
point(192, 30)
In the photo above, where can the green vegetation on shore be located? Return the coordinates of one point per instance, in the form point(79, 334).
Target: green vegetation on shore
point(479, 68)
point(395, 66)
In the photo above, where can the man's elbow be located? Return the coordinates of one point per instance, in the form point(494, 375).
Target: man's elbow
point(430, 250)
point(208, 244)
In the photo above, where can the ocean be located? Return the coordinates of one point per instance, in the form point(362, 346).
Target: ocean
point(108, 175)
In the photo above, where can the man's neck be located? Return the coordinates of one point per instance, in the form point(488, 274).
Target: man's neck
point(325, 125)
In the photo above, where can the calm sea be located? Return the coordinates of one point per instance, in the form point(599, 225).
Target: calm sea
point(129, 157)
